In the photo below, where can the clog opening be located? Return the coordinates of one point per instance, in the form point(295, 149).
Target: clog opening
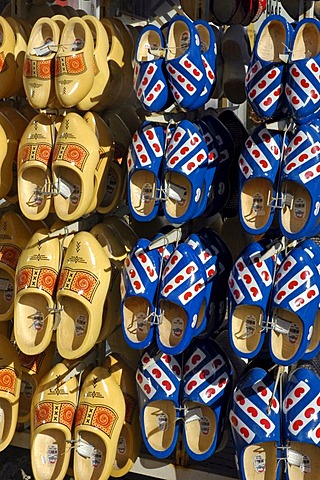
point(159, 419)
point(256, 197)
point(260, 462)
point(173, 323)
point(178, 190)
point(73, 199)
point(246, 328)
point(74, 326)
point(6, 295)
point(28, 386)
point(315, 337)
point(33, 181)
point(143, 192)
point(201, 431)
point(7, 423)
point(48, 455)
point(309, 470)
point(124, 449)
point(42, 35)
point(307, 42)
point(31, 321)
point(74, 36)
point(96, 466)
point(178, 40)
point(272, 41)
point(149, 43)
point(285, 346)
point(204, 37)
point(136, 315)
point(297, 206)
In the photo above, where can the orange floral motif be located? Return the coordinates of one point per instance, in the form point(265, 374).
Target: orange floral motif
point(24, 154)
point(40, 152)
point(67, 414)
point(104, 418)
point(47, 280)
point(42, 413)
point(73, 153)
point(42, 278)
point(27, 68)
point(23, 277)
point(81, 414)
point(9, 254)
point(8, 377)
point(81, 282)
point(45, 69)
point(43, 153)
point(62, 279)
point(54, 412)
point(71, 64)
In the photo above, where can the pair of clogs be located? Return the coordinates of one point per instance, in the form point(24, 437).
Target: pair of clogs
point(183, 169)
point(100, 417)
point(68, 168)
point(278, 297)
point(283, 71)
point(193, 393)
point(62, 290)
point(280, 173)
point(172, 291)
point(180, 68)
point(271, 431)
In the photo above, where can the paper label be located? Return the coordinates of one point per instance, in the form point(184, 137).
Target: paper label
point(299, 208)
point(38, 320)
point(177, 327)
point(80, 325)
point(141, 323)
point(250, 325)
point(96, 458)
point(258, 204)
point(259, 463)
point(147, 193)
point(305, 466)
point(192, 415)
point(122, 446)
point(44, 49)
point(162, 422)
point(52, 454)
point(294, 333)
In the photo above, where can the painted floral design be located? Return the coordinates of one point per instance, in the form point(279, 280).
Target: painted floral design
point(8, 377)
point(43, 153)
point(84, 283)
point(23, 278)
point(67, 414)
point(47, 280)
point(75, 64)
point(9, 254)
point(105, 419)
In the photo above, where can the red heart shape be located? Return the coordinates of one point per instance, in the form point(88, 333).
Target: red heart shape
point(217, 363)
point(263, 391)
point(210, 392)
point(297, 140)
point(298, 392)
point(304, 83)
point(308, 175)
point(293, 284)
point(200, 157)
point(295, 72)
point(240, 399)
point(174, 159)
point(252, 411)
point(176, 370)
point(171, 69)
point(297, 424)
point(150, 134)
point(196, 72)
point(190, 269)
point(132, 273)
point(281, 294)
point(177, 136)
point(311, 293)
point(222, 382)
point(150, 70)
point(191, 165)
point(137, 284)
point(195, 359)
point(315, 149)
point(265, 422)
point(234, 421)
point(287, 265)
point(266, 137)
point(177, 95)
point(254, 68)
point(139, 92)
point(272, 74)
point(143, 158)
point(181, 79)
point(156, 147)
point(187, 295)
point(174, 259)
point(184, 150)
point(264, 163)
point(254, 291)
point(256, 153)
point(267, 102)
point(150, 97)
point(236, 293)
point(309, 412)
point(314, 94)
point(299, 301)
point(147, 388)
point(190, 87)
point(157, 88)
point(145, 81)
point(245, 169)
point(249, 143)
point(191, 384)
point(168, 288)
point(139, 377)
point(303, 157)
point(277, 92)
point(289, 402)
point(139, 147)
point(167, 385)
point(187, 64)
point(247, 278)
point(245, 432)
point(314, 67)
point(240, 266)
point(167, 358)
point(150, 270)
point(156, 372)
point(265, 275)
point(203, 374)
point(262, 84)
point(231, 283)
point(295, 100)
point(198, 287)
point(179, 279)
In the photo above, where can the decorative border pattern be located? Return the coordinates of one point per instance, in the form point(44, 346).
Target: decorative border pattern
point(74, 153)
point(35, 277)
point(40, 152)
point(42, 69)
point(70, 64)
point(101, 417)
point(8, 379)
point(54, 412)
point(82, 282)
point(9, 255)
